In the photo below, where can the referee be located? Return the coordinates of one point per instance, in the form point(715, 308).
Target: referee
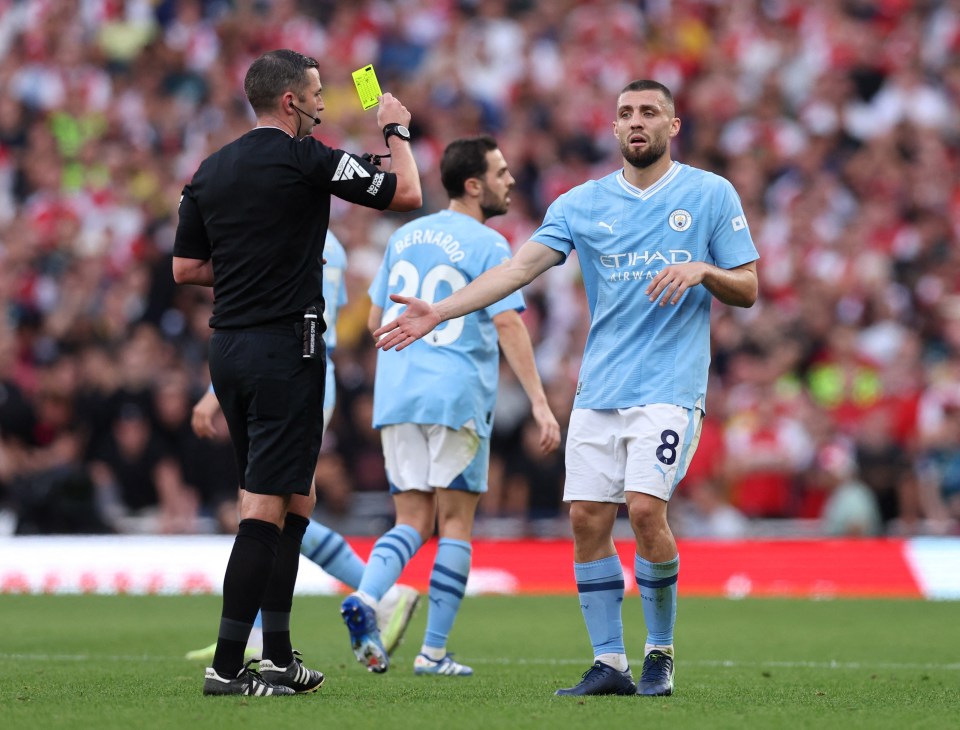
point(252, 225)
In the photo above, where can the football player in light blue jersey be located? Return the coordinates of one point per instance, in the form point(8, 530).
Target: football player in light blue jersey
point(334, 297)
point(434, 404)
point(323, 546)
point(657, 241)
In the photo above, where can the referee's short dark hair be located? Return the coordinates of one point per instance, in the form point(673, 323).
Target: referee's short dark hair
point(274, 73)
point(462, 159)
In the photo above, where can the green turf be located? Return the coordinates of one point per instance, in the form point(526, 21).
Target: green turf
point(116, 662)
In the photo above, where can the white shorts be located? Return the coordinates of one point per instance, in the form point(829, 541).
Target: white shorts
point(643, 449)
point(426, 457)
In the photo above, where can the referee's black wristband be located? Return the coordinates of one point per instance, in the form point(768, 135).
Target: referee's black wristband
point(395, 129)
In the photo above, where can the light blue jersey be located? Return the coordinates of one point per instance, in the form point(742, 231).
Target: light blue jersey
point(450, 376)
point(334, 297)
point(638, 352)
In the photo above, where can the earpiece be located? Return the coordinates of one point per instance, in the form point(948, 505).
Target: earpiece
point(316, 120)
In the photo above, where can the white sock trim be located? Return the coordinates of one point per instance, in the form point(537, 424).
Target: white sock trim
point(617, 661)
point(367, 598)
point(665, 648)
point(433, 652)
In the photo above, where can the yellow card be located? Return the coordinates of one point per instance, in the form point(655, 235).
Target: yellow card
point(367, 86)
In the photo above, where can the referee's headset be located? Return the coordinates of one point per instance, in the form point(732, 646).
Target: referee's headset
point(369, 157)
point(316, 120)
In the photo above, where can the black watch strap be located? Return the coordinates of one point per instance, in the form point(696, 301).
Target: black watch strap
point(396, 129)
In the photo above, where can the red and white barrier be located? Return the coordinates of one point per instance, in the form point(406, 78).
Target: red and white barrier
point(918, 568)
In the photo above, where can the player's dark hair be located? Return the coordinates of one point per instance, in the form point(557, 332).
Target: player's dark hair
point(274, 73)
point(462, 159)
point(649, 85)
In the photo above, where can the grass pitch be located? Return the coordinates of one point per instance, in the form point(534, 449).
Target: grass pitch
point(117, 662)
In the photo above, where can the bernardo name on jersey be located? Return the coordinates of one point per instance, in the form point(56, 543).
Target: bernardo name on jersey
point(443, 239)
point(450, 376)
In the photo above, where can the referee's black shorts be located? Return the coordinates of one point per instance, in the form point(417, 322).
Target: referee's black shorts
point(272, 399)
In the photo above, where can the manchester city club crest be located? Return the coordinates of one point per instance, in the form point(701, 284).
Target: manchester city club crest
point(680, 219)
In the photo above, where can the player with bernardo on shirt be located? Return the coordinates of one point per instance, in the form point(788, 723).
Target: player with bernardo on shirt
point(434, 404)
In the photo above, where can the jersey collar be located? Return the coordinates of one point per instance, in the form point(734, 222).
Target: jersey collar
point(660, 184)
point(270, 126)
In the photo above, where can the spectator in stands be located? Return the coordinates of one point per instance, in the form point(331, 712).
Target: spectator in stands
point(139, 483)
point(850, 508)
point(106, 109)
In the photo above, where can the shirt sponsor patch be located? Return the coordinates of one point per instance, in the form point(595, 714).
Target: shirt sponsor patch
point(348, 169)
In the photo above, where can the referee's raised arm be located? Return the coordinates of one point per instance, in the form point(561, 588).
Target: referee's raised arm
point(393, 118)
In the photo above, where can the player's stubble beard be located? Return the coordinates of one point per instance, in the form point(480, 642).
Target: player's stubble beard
point(642, 159)
point(491, 206)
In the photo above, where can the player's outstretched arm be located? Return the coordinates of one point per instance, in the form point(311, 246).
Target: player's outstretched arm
point(419, 317)
point(517, 348)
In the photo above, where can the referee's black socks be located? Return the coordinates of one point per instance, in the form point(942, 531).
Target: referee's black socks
point(278, 599)
point(245, 581)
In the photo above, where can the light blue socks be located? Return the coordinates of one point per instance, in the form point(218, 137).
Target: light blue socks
point(658, 591)
point(600, 586)
point(331, 552)
point(389, 557)
point(448, 583)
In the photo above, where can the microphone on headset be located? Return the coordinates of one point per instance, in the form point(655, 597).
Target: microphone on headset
point(316, 120)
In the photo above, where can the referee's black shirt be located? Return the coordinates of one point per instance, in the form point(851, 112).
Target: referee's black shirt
point(259, 207)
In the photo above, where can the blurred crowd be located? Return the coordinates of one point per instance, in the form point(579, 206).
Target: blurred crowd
point(834, 404)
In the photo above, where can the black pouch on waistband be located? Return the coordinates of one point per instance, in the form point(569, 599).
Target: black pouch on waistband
point(311, 333)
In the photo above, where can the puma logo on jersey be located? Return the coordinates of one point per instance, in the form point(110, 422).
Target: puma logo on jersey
point(608, 226)
point(348, 169)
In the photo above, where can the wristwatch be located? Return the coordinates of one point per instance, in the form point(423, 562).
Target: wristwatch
point(396, 129)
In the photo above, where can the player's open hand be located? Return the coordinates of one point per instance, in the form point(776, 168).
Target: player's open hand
point(672, 282)
point(549, 428)
point(417, 319)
